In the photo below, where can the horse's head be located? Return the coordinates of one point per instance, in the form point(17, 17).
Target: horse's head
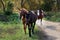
point(23, 13)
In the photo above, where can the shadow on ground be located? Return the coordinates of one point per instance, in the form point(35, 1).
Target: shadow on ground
point(51, 27)
point(43, 36)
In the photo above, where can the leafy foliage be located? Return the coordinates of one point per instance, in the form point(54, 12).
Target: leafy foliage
point(36, 4)
point(32, 5)
point(53, 16)
point(9, 8)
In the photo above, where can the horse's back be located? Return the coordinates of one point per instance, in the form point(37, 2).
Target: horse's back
point(33, 17)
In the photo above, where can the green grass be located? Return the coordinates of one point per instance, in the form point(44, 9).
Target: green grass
point(14, 31)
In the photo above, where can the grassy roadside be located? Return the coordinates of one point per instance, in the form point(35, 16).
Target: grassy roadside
point(14, 31)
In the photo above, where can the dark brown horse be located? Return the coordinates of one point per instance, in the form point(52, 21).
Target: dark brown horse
point(31, 18)
point(28, 19)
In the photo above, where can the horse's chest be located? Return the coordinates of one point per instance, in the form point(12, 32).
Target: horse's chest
point(23, 20)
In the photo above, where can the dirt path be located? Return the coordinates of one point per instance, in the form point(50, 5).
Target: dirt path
point(52, 29)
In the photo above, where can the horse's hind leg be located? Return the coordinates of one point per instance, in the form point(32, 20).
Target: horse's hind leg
point(29, 28)
point(41, 21)
point(33, 26)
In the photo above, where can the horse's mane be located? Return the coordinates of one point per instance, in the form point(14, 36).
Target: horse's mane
point(25, 10)
point(22, 9)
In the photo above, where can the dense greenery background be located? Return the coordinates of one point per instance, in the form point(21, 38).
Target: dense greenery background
point(50, 7)
point(11, 27)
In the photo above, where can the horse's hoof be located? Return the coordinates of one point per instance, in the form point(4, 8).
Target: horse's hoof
point(29, 35)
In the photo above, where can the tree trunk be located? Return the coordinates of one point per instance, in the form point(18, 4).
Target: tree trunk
point(58, 4)
point(3, 5)
point(22, 3)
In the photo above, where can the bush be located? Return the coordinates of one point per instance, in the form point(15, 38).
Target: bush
point(13, 18)
point(53, 16)
point(9, 10)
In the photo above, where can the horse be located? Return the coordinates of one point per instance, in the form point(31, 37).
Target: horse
point(28, 18)
point(40, 14)
point(31, 18)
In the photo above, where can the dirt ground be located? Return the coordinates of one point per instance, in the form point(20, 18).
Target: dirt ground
point(51, 29)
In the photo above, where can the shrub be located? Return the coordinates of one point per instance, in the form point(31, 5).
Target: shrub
point(9, 10)
point(53, 16)
point(13, 18)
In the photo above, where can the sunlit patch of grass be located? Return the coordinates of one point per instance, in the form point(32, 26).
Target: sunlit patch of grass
point(15, 31)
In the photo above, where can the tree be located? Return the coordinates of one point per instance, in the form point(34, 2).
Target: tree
point(9, 8)
point(2, 2)
point(58, 4)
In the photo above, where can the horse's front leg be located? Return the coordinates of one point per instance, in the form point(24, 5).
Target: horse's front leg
point(24, 28)
point(24, 24)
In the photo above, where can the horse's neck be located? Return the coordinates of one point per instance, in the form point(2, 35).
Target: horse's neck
point(23, 17)
point(23, 14)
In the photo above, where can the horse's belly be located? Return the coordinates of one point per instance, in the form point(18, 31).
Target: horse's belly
point(33, 18)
